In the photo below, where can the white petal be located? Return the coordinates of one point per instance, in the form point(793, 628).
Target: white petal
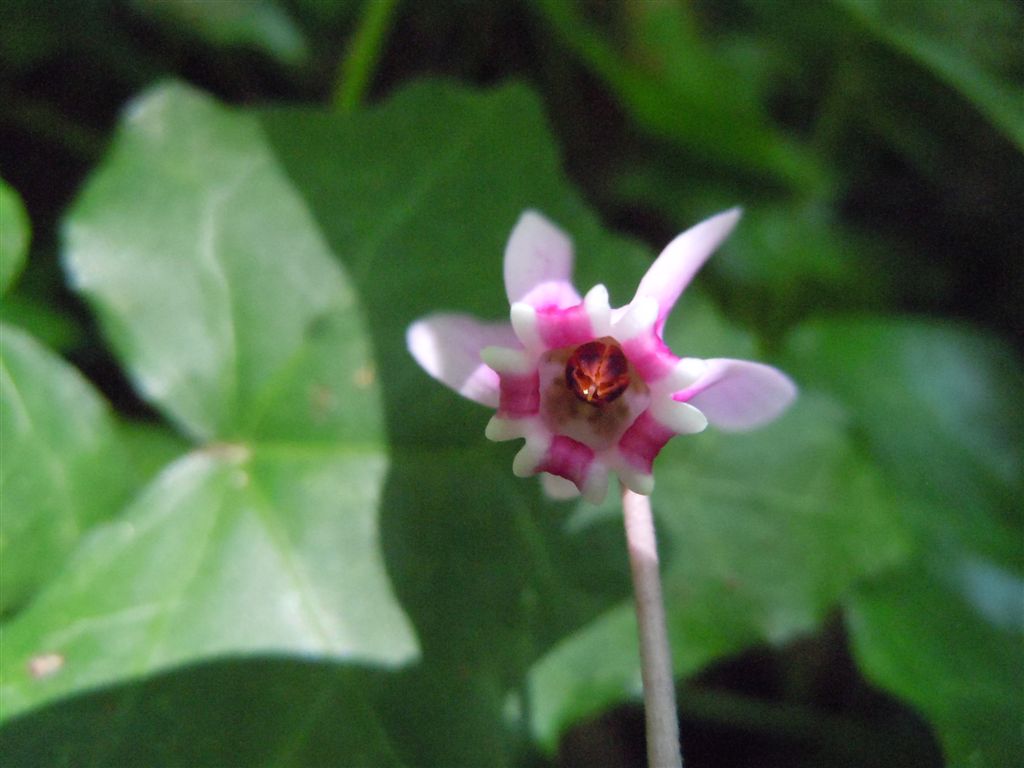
point(524, 323)
point(448, 347)
point(637, 481)
point(595, 486)
point(640, 315)
point(530, 455)
point(673, 270)
point(558, 488)
point(538, 264)
point(499, 429)
point(738, 395)
point(681, 418)
point(598, 310)
point(505, 360)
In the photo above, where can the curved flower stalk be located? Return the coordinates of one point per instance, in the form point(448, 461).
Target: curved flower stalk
point(593, 390)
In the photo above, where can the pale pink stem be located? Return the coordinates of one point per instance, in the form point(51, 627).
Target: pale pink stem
point(655, 657)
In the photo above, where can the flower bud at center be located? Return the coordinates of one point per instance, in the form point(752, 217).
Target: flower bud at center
point(597, 372)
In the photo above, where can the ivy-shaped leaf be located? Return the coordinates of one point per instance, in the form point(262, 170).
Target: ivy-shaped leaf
point(922, 636)
point(937, 407)
point(231, 315)
point(63, 466)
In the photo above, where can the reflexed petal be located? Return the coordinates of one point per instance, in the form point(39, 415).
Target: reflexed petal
point(448, 347)
point(538, 264)
point(673, 270)
point(737, 394)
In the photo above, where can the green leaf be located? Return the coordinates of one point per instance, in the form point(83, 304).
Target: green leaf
point(974, 46)
point(918, 634)
point(760, 534)
point(151, 446)
point(263, 25)
point(38, 317)
point(276, 712)
point(14, 236)
point(63, 465)
point(224, 304)
point(677, 88)
point(800, 258)
point(938, 406)
point(235, 304)
point(229, 551)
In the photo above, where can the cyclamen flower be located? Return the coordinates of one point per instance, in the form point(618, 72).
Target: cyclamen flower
point(593, 390)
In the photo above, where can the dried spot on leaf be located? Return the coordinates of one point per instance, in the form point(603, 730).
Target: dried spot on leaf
point(322, 401)
point(235, 453)
point(364, 376)
point(45, 664)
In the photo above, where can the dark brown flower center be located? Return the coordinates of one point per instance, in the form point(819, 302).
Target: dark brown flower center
point(597, 372)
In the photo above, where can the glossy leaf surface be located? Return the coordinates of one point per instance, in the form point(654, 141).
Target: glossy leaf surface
point(242, 329)
point(62, 469)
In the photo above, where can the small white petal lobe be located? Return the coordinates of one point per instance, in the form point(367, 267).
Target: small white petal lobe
point(598, 310)
point(681, 418)
point(506, 360)
point(558, 488)
point(524, 323)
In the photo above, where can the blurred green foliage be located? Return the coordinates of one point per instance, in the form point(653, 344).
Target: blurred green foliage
point(261, 25)
point(14, 236)
point(240, 527)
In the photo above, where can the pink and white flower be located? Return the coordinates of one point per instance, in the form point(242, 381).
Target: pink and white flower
point(591, 389)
